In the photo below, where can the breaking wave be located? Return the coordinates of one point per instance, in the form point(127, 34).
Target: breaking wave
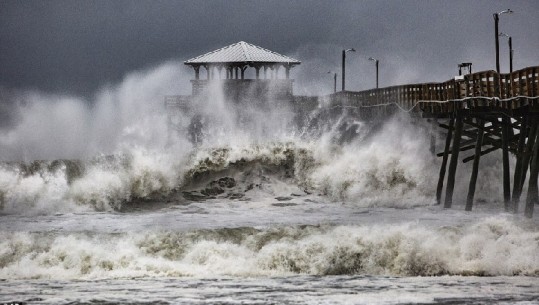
point(493, 246)
point(250, 150)
point(368, 173)
point(101, 184)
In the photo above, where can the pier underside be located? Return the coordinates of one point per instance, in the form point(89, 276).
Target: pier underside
point(478, 127)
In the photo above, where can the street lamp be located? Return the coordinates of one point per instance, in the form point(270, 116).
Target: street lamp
point(334, 81)
point(496, 20)
point(343, 64)
point(510, 51)
point(376, 61)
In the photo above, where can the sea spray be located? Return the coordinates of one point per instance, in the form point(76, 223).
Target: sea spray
point(393, 163)
point(102, 183)
point(255, 143)
point(390, 168)
point(56, 126)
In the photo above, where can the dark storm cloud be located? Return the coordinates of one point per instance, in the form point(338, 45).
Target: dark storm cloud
point(78, 46)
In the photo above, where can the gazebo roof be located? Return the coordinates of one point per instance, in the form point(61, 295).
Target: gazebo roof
point(241, 52)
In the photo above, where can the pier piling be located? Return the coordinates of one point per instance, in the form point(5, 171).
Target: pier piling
point(454, 161)
point(532, 197)
point(444, 161)
point(475, 169)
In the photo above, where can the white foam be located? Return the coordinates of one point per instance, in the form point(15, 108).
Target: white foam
point(493, 246)
point(392, 168)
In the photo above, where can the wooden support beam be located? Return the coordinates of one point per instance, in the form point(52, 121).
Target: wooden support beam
point(463, 147)
point(467, 147)
point(517, 184)
point(487, 140)
point(475, 168)
point(488, 131)
point(532, 197)
point(441, 178)
point(494, 142)
point(453, 162)
point(505, 161)
point(528, 151)
point(432, 143)
point(484, 152)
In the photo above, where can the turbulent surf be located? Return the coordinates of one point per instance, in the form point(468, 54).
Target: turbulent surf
point(242, 193)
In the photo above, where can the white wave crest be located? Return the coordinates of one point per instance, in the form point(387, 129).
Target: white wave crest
point(493, 246)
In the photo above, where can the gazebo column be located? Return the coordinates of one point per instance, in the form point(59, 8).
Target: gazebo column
point(287, 71)
point(197, 72)
point(257, 69)
point(207, 71)
point(236, 72)
point(265, 72)
point(243, 71)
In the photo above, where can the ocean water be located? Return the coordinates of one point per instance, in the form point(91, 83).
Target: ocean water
point(267, 208)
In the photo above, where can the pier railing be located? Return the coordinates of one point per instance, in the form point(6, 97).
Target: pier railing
point(439, 98)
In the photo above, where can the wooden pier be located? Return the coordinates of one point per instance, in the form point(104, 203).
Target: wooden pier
point(482, 112)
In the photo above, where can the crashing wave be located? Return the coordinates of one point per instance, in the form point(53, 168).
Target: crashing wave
point(491, 247)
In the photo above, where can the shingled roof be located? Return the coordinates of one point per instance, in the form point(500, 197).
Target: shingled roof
point(241, 52)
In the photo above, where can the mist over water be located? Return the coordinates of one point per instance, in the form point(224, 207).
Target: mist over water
point(55, 126)
point(68, 154)
point(101, 190)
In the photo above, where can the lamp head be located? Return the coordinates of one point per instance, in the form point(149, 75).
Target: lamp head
point(350, 50)
point(373, 59)
point(504, 35)
point(507, 11)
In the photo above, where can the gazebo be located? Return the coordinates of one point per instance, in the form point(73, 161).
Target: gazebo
point(237, 57)
point(234, 60)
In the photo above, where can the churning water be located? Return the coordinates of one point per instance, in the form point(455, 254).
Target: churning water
point(99, 206)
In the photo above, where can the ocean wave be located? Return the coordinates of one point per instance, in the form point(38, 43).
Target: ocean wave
point(103, 183)
point(491, 247)
point(115, 182)
point(392, 168)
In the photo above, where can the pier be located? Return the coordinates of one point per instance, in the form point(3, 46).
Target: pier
point(480, 113)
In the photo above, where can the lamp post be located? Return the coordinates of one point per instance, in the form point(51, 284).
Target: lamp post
point(510, 51)
point(496, 21)
point(376, 62)
point(334, 81)
point(343, 64)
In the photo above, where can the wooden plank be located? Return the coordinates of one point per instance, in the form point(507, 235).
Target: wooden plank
point(484, 152)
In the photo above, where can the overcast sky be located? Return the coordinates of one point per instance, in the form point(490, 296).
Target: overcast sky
point(76, 47)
